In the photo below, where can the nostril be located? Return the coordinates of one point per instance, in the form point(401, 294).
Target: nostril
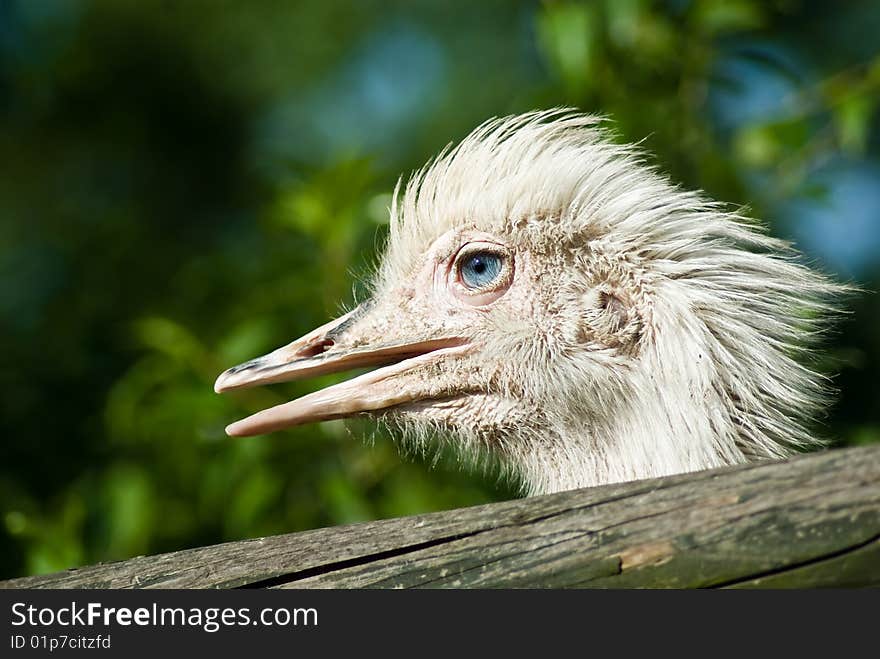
point(315, 348)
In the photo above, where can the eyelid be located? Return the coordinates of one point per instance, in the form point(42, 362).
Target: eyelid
point(469, 249)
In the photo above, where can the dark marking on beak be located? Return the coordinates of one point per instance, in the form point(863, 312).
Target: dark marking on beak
point(341, 328)
point(252, 364)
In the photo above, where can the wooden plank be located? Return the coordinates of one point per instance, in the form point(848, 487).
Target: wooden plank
point(807, 522)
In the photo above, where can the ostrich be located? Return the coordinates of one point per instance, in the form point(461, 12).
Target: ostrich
point(547, 298)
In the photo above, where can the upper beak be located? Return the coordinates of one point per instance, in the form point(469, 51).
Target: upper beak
point(323, 351)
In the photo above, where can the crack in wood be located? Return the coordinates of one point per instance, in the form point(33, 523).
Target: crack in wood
point(799, 565)
point(335, 566)
point(485, 564)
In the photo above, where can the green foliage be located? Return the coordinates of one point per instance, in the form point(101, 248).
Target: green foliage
point(187, 187)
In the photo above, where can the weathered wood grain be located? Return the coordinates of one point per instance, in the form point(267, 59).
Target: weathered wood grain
point(812, 521)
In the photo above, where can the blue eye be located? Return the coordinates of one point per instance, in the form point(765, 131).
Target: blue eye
point(480, 269)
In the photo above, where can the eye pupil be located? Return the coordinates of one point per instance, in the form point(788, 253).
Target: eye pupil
point(480, 269)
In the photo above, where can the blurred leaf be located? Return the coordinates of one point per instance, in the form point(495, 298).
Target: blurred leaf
point(853, 119)
point(346, 503)
point(632, 25)
point(170, 338)
point(246, 340)
point(757, 146)
point(720, 16)
point(251, 500)
point(567, 34)
point(128, 498)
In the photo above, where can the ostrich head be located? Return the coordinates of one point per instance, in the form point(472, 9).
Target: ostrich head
point(548, 299)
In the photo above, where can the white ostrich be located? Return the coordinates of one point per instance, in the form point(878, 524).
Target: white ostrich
point(547, 298)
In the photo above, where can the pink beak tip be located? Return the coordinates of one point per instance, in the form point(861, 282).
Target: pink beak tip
point(235, 430)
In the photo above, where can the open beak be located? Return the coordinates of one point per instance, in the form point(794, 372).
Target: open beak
point(340, 345)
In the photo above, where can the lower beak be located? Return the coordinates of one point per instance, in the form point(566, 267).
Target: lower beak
point(316, 354)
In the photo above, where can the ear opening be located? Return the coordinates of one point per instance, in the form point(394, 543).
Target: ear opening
point(617, 311)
